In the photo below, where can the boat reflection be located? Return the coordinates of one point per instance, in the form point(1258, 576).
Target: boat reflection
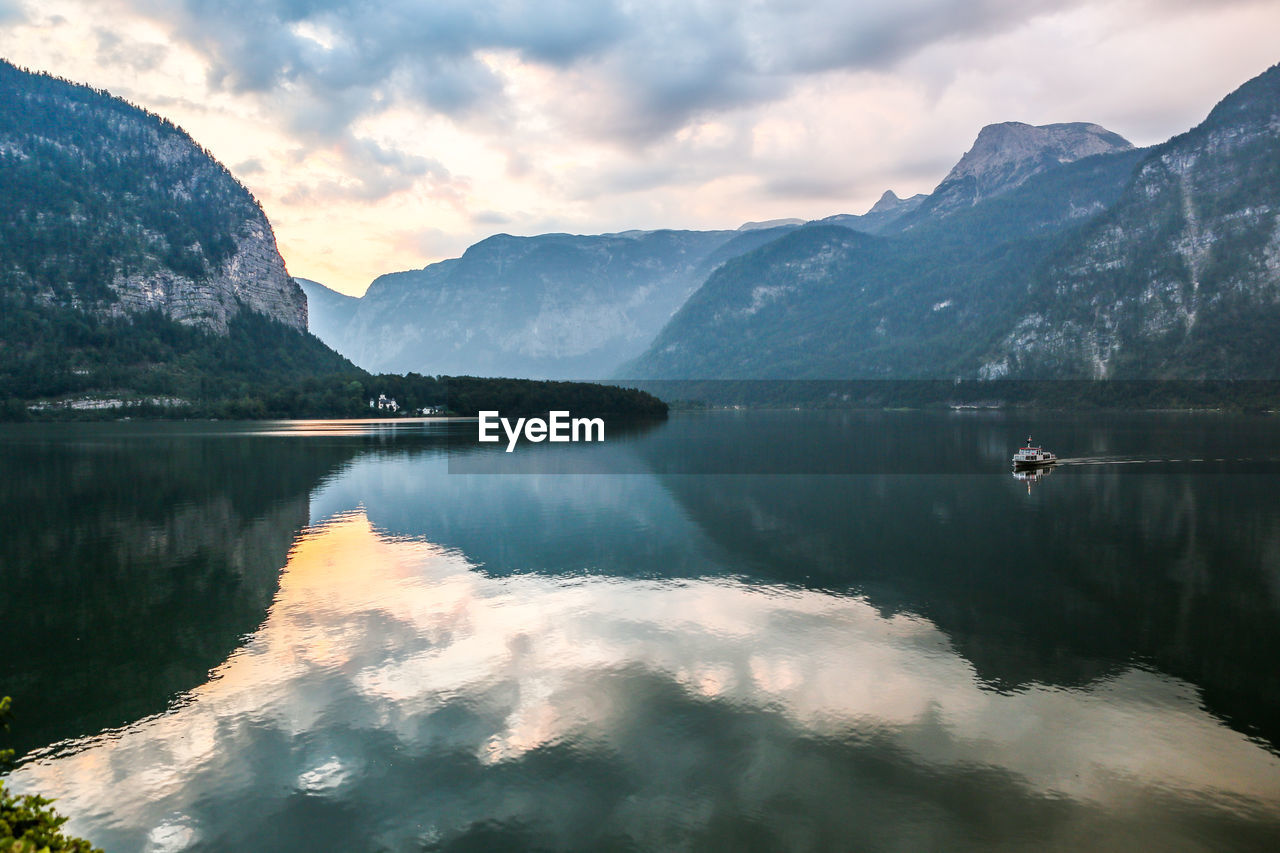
point(1031, 476)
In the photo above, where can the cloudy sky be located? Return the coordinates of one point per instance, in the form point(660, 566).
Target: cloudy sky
point(382, 136)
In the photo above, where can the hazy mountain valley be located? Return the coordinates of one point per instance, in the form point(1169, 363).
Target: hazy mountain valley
point(1058, 251)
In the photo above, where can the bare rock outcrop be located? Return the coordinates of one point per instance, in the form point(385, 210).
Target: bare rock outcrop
point(254, 278)
point(1005, 155)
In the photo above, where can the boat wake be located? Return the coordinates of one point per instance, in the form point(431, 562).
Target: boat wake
point(1135, 460)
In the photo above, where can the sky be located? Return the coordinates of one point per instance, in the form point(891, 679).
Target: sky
point(383, 136)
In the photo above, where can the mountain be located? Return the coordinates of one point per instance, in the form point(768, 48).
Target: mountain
point(116, 211)
point(328, 311)
point(1005, 155)
point(552, 306)
point(1180, 278)
point(883, 216)
point(564, 306)
point(769, 223)
point(131, 261)
point(890, 203)
point(833, 301)
point(1051, 252)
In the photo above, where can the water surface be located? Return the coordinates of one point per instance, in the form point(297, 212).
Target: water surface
point(799, 631)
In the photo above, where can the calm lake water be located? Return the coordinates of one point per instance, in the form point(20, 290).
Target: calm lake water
point(732, 631)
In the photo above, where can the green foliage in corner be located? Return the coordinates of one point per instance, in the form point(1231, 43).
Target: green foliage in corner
point(27, 824)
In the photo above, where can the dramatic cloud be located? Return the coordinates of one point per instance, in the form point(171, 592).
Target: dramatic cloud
point(651, 67)
point(374, 172)
point(112, 50)
point(357, 124)
point(342, 53)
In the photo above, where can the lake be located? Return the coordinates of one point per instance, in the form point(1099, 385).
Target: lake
point(730, 631)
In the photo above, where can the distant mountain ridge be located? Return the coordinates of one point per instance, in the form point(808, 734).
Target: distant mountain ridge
point(836, 300)
point(554, 306)
point(1005, 269)
point(884, 216)
point(575, 306)
point(890, 203)
point(769, 223)
point(1003, 157)
point(1051, 252)
point(328, 311)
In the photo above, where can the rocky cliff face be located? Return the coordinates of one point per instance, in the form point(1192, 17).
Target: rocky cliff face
point(254, 278)
point(113, 210)
point(1181, 277)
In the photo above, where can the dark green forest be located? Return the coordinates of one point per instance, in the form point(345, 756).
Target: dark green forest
point(260, 369)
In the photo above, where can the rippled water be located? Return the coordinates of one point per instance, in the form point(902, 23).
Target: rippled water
point(322, 638)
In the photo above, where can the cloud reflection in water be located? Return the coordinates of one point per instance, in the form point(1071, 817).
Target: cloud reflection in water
point(396, 697)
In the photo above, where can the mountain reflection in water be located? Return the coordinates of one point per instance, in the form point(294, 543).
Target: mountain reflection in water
point(397, 698)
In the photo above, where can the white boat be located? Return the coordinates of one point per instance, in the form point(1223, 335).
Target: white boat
point(1031, 456)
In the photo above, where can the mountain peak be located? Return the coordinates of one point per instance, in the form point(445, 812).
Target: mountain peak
point(887, 202)
point(1006, 154)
